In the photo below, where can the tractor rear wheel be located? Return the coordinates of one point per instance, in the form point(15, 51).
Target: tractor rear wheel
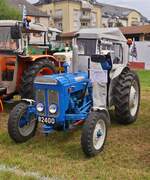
point(38, 68)
point(127, 97)
point(20, 128)
point(94, 133)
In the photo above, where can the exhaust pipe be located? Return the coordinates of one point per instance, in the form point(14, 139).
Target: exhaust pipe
point(75, 59)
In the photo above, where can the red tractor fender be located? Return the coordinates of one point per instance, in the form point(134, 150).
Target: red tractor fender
point(38, 57)
point(25, 62)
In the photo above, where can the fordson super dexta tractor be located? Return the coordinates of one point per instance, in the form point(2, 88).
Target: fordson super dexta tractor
point(100, 79)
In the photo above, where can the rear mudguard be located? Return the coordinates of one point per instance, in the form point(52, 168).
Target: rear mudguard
point(117, 70)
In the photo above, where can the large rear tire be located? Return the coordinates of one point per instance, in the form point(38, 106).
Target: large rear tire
point(127, 97)
point(20, 129)
point(94, 133)
point(38, 68)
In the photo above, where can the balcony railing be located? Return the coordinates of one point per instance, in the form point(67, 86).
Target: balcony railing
point(85, 17)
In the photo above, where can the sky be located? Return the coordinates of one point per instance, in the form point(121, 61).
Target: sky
point(141, 5)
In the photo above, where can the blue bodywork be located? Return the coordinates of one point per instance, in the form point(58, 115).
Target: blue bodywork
point(70, 92)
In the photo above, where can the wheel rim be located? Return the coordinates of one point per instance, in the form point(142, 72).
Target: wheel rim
point(45, 71)
point(26, 127)
point(134, 98)
point(99, 134)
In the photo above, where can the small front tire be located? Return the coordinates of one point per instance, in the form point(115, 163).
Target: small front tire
point(94, 133)
point(20, 129)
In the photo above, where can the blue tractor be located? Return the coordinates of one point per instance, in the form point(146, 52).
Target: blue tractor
point(63, 102)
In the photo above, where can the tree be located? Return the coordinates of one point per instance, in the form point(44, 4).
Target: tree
point(8, 12)
point(118, 24)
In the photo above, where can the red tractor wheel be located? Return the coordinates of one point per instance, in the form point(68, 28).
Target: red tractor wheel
point(38, 68)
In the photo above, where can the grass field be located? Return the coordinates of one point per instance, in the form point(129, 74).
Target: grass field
point(59, 156)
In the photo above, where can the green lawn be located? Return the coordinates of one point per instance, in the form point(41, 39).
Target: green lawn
point(59, 156)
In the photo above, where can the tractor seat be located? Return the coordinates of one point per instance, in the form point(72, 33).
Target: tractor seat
point(2, 91)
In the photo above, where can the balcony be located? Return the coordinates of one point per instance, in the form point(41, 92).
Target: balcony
point(57, 17)
point(85, 17)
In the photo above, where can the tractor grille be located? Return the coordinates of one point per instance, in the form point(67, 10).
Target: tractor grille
point(40, 98)
point(53, 98)
point(47, 97)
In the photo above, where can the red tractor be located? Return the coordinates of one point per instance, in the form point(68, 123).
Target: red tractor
point(23, 56)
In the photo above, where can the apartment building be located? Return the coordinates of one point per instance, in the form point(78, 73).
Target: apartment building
point(113, 16)
point(71, 15)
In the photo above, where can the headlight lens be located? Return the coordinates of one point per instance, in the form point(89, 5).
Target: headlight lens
point(40, 107)
point(53, 108)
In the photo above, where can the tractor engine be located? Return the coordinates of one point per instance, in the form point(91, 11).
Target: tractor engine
point(62, 99)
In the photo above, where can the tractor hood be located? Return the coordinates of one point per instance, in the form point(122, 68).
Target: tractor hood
point(62, 79)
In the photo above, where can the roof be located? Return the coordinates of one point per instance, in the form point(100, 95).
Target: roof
point(31, 9)
point(117, 11)
point(144, 29)
point(106, 33)
point(33, 26)
point(68, 34)
point(40, 2)
point(54, 30)
point(8, 22)
point(38, 27)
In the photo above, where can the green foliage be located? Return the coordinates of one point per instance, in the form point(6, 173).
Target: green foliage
point(8, 12)
point(118, 24)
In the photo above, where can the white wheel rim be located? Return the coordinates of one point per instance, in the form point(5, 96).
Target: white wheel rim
point(134, 98)
point(28, 128)
point(99, 134)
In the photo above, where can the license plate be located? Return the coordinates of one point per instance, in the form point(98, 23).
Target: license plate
point(46, 120)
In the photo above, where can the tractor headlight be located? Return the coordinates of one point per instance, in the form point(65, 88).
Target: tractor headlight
point(53, 108)
point(40, 107)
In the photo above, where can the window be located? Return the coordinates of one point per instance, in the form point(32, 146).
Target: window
point(6, 42)
point(58, 13)
point(118, 54)
point(93, 19)
point(76, 19)
point(59, 25)
point(37, 19)
point(84, 24)
point(87, 46)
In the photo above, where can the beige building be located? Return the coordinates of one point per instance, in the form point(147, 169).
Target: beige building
point(71, 15)
point(120, 16)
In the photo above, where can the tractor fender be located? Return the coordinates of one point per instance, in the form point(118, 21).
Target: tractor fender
point(117, 70)
point(102, 109)
point(38, 57)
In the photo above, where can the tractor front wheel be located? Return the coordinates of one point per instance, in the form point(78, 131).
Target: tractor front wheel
point(38, 68)
point(94, 133)
point(21, 125)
